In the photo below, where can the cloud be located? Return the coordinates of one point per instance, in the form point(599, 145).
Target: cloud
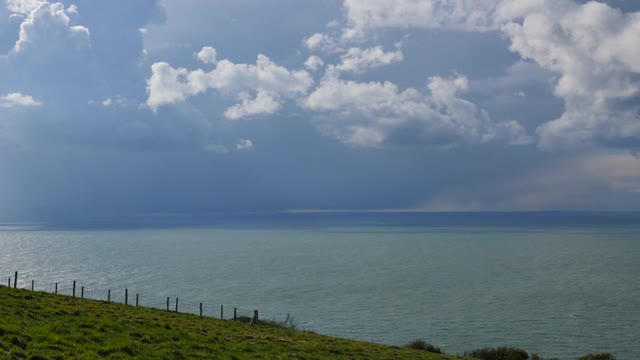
point(359, 60)
point(371, 114)
point(47, 31)
point(24, 7)
point(208, 55)
point(470, 15)
point(269, 83)
point(120, 101)
point(592, 47)
point(318, 41)
point(244, 145)
point(313, 63)
point(262, 104)
point(18, 100)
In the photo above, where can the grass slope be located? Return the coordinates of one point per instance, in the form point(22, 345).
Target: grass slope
point(36, 325)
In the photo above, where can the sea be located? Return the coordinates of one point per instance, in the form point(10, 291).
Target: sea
point(558, 284)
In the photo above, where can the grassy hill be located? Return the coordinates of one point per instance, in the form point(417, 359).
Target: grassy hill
point(36, 325)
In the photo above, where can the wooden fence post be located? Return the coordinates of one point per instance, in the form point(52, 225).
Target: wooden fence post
point(235, 313)
point(15, 281)
point(33, 284)
point(136, 299)
point(74, 288)
point(167, 303)
point(56, 290)
point(200, 309)
point(221, 312)
point(109, 295)
point(255, 319)
point(82, 292)
point(9, 281)
point(176, 305)
point(126, 296)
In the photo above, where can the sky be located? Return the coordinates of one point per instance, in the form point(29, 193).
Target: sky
point(118, 108)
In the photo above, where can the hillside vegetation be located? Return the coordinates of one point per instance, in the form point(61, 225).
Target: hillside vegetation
point(37, 326)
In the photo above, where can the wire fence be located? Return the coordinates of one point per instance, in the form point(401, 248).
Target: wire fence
point(125, 297)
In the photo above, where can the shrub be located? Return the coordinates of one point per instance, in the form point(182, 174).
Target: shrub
point(288, 323)
point(500, 353)
point(603, 356)
point(424, 346)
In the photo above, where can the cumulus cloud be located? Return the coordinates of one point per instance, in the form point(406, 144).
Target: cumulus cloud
point(371, 114)
point(24, 7)
point(322, 42)
point(592, 47)
point(208, 55)
point(260, 87)
point(359, 60)
point(47, 30)
point(263, 103)
point(244, 145)
point(314, 63)
point(18, 100)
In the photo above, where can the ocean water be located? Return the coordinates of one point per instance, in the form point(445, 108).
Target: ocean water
point(559, 284)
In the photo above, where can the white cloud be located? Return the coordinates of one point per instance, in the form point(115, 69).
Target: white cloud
point(208, 55)
point(47, 30)
point(313, 63)
point(18, 100)
point(23, 6)
point(269, 82)
point(374, 114)
point(360, 60)
point(592, 47)
point(322, 42)
point(244, 145)
point(262, 104)
point(120, 101)
point(316, 40)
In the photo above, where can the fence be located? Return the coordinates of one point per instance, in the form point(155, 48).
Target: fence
point(176, 304)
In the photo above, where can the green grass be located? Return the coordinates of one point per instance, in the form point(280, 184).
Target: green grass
point(37, 326)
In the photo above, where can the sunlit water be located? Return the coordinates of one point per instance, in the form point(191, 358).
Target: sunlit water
point(559, 290)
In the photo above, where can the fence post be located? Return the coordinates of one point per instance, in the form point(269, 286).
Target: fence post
point(167, 303)
point(9, 281)
point(136, 299)
point(33, 283)
point(82, 292)
point(200, 309)
point(254, 321)
point(74, 288)
point(56, 290)
point(126, 296)
point(221, 312)
point(235, 313)
point(176, 305)
point(15, 281)
point(109, 295)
